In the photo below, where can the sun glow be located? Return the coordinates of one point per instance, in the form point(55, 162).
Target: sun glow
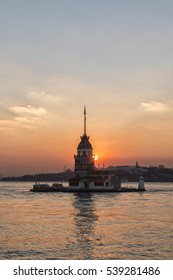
point(95, 157)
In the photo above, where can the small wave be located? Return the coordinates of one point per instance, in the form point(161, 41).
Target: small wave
point(18, 254)
point(162, 190)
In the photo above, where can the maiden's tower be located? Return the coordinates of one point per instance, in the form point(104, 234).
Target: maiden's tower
point(84, 159)
point(87, 176)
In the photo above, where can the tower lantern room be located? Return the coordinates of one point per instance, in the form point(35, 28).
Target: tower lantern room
point(84, 160)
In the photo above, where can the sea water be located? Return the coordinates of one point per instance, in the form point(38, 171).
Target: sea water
point(86, 225)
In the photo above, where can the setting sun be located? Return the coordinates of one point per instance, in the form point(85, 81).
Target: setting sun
point(95, 157)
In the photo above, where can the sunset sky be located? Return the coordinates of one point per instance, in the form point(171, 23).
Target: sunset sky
point(114, 56)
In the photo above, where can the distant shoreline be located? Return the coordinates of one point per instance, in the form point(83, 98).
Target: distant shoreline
point(128, 173)
point(32, 181)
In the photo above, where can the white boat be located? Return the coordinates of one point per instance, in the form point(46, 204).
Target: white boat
point(46, 187)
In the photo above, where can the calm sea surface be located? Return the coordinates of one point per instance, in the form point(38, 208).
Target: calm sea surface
point(86, 226)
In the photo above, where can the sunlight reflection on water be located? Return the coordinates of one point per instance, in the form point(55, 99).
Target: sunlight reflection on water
point(85, 225)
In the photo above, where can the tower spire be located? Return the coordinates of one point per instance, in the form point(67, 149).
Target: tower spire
point(84, 120)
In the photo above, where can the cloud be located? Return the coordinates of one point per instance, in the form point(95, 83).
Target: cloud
point(42, 95)
point(23, 117)
point(26, 119)
point(28, 110)
point(5, 125)
point(154, 107)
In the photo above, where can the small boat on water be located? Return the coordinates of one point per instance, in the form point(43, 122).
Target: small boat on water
point(45, 187)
